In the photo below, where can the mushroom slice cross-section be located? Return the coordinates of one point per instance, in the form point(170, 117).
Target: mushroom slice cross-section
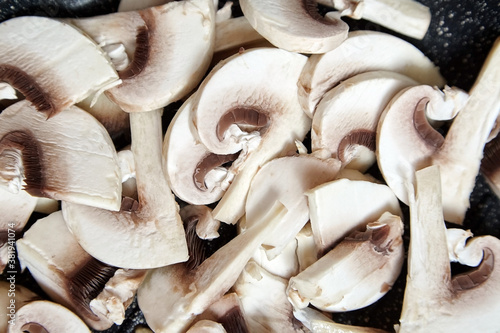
point(150, 231)
point(249, 103)
point(434, 299)
point(344, 124)
point(295, 25)
point(69, 157)
point(51, 63)
point(363, 51)
point(163, 67)
point(406, 142)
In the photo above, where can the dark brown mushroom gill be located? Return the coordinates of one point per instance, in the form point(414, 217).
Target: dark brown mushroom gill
point(249, 118)
point(361, 137)
point(428, 134)
point(208, 163)
point(34, 328)
point(477, 276)
point(141, 54)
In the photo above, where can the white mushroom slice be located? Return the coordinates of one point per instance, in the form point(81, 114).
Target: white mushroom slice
point(295, 25)
point(206, 226)
point(344, 124)
point(339, 207)
point(307, 252)
point(227, 311)
point(164, 67)
point(70, 68)
point(195, 174)
point(206, 326)
point(356, 273)
point(12, 297)
point(69, 157)
point(150, 231)
point(286, 179)
point(234, 33)
point(46, 316)
point(363, 51)
point(233, 101)
point(407, 17)
point(190, 293)
point(264, 300)
point(434, 300)
point(406, 142)
point(285, 264)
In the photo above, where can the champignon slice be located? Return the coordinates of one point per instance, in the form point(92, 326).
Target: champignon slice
point(228, 311)
point(264, 300)
point(363, 51)
point(346, 119)
point(407, 17)
point(295, 25)
point(163, 67)
point(171, 297)
point(69, 157)
point(234, 33)
point(406, 142)
point(46, 317)
point(286, 179)
point(195, 174)
point(434, 300)
point(206, 226)
point(12, 297)
point(248, 102)
point(206, 326)
point(70, 68)
point(339, 207)
point(356, 273)
point(307, 252)
point(150, 232)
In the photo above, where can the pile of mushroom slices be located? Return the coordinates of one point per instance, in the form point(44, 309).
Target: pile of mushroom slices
point(317, 233)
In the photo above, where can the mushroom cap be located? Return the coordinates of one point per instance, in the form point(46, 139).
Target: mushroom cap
point(295, 25)
point(68, 56)
point(69, 157)
point(363, 51)
point(343, 121)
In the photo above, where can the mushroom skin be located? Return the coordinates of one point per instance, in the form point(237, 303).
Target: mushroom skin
point(234, 112)
point(435, 300)
point(42, 77)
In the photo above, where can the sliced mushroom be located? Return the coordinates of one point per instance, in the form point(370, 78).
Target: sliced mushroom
point(356, 273)
point(344, 124)
point(407, 17)
point(264, 300)
point(46, 317)
point(363, 51)
point(163, 67)
point(234, 33)
point(307, 252)
point(12, 297)
point(150, 231)
point(228, 312)
point(69, 157)
point(434, 300)
point(70, 68)
point(235, 111)
point(295, 25)
point(171, 297)
point(407, 143)
point(339, 207)
point(206, 226)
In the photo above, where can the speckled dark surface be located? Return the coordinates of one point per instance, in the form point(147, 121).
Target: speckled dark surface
point(458, 40)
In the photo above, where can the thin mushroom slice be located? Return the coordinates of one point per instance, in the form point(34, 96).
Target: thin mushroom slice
point(228, 311)
point(295, 25)
point(248, 103)
point(363, 51)
point(150, 231)
point(356, 273)
point(406, 142)
point(339, 207)
point(171, 297)
point(163, 67)
point(287, 179)
point(12, 297)
point(207, 326)
point(46, 317)
point(264, 300)
point(344, 124)
point(206, 226)
point(434, 300)
point(69, 157)
point(70, 68)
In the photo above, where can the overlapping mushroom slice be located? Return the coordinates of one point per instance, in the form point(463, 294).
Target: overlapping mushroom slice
point(407, 143)
point(160, 65)
point(69, 157)
point(346, 119)
point(235, 110)
point(228, 312)
point(45, 316)
point(363, 51)
point(356, 273)
point(434, 300)
point(98, 293)
point(150, 231)
point(70, 68)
